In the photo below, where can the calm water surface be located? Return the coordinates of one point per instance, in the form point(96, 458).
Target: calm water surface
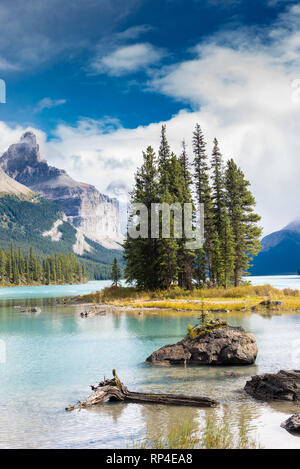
point(277, 281)
point(53, 357)
point(52, 291)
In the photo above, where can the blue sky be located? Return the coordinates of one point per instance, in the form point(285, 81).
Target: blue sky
point(96, 78)
point(58, 68)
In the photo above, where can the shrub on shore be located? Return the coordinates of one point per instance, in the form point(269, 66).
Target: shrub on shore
point(216, 433)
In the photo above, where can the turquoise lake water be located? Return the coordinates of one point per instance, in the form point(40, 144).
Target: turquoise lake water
point(277, 281)
point(52, 291)
point(51, 359)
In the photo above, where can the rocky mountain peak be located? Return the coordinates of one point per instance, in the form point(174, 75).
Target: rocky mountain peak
point(96, 215)
point(29, 138)
point(21, 155)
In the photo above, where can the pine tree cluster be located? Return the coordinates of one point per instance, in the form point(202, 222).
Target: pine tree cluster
point(231, 230)
point(18, 268)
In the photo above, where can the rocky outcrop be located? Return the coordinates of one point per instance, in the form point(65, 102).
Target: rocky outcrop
point(284, 385)
point(80, 246)
point(95, 214)
point(222, 346)
point(54, 234)
point(292, 424)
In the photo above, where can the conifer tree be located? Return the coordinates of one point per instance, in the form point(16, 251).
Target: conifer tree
point(164, 155)
point(203, 261)
point(230, 224)
point(48, 272)
point(19, 268)
point(227, 251)
point(115, 273)
point(218, 262)
point(9, 267)
point(2, 265)
point(169, 173)
point(218, 184)
point(141, 254)
point(243, 219)
point(185, 166)
point(185, 256)
point(15, 272)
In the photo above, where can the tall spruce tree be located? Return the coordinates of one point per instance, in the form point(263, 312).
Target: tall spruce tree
point(218, 185)
point(141, 254)
point(218, 261)
point(185, 166)
point(243, 220)
point(182, 194)
point(115, 273)
point(186, 256)
point(227, 251)
point(168, 174)
point(203, 260)
point(219, 205)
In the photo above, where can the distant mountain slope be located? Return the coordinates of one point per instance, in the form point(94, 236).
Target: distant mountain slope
point(280, 254)
point(95, 214)
point(10, 186)
point(35, 221)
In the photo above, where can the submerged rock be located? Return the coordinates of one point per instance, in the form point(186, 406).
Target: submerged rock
point(219, 311)
point(223, 346)
point(292, 424)
point(94, 311)
point(284, 385)
point(34, 309)
point(269, 303)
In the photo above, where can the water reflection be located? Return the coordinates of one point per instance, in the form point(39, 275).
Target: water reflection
point(52, 359)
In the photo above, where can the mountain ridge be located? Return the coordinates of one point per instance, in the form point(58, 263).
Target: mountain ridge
point(94, 214)
point(280, 253)
point(9, 186)
point(34, 221)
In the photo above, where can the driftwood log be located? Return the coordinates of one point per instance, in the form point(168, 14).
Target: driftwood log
point(114, 390)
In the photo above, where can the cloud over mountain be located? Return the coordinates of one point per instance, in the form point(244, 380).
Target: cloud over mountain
point(240, 85)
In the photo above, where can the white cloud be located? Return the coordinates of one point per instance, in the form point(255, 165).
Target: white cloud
point(5, 65)
point(10, 135)
point(240, 91)
point(128, 59)
point(48, 103)
point(35, 32)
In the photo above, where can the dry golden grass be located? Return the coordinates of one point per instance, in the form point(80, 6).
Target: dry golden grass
point(190, 306)
point(233, 299)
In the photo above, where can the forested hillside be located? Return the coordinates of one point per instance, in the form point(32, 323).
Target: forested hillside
point(25, 222)
point(20, 268)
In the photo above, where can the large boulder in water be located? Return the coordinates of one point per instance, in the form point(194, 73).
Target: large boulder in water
point(292, 424)
point(223, 346)
point(284, 385)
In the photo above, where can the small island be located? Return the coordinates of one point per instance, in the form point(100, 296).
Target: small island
point(211, 343)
